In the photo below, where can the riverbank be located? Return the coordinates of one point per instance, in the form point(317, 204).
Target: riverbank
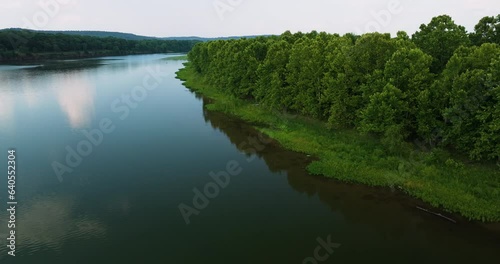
point(437, 177)
point(37, 57)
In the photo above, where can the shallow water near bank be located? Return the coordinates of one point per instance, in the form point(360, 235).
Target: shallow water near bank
point(121, 204)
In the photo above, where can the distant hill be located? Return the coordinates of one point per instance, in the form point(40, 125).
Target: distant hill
point(27, 45)
point(129, 36)
point(100, 34)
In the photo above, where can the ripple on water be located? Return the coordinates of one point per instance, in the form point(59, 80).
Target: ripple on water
point(46, 223)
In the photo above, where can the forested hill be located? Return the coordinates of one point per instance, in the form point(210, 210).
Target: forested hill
point(440, 87)
point(128, 36)
point(21, 45)
point(101, 34)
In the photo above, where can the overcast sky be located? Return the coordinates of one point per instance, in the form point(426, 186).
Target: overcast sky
point(210, 18)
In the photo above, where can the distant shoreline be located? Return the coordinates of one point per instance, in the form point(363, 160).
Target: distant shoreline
point(38, 57)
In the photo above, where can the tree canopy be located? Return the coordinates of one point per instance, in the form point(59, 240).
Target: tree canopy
point(440, 38)
point(439, 87)
point(487, 31)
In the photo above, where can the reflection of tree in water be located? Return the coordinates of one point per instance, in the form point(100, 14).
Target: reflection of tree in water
point(392, 213)
point(239, 133)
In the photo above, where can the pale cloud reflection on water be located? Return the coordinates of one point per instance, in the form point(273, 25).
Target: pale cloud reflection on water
point(75, 96)
point(46, 222)
point(6, 107)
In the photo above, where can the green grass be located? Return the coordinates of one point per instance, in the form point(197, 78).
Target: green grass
point(436, 177)
point(177, 58)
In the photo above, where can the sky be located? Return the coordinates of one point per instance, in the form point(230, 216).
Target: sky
point(216, 18)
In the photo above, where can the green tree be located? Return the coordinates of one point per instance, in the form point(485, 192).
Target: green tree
point(338, 89)
point(489, 117)
point(440, 38)
point(375, 83)
point(472, 86)
point(486, 31)
point(385, 115)
point(364, 68)
point(272, 85)
point(306, 69)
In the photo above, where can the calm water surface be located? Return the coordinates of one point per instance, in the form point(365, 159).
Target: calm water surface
point(121, 204)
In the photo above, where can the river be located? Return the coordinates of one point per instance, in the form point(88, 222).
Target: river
point(117, 162)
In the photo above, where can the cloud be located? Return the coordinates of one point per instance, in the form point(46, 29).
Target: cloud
point(11, 4)
point(68, 19)
point(478, 4)
point(198, 17)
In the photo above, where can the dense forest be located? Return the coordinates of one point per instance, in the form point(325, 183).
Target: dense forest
point(128, 36)
point(100, 34)
point(26, 45)
point(440, 86)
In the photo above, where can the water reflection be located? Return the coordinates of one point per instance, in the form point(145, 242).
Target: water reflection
point(75, 96)
point(6, 106)
point(74, 92)
point(391, 214)
point(69, 65)
point(47, 222)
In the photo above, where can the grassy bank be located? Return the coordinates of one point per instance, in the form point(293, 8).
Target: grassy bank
point(177, 58)
point(445, 181)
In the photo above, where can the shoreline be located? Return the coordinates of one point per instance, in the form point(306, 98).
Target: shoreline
point(350, 157)
point(40, 57)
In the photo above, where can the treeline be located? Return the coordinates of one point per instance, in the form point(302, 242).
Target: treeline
point(100, 34)
point(25, 44)
point(440, 86)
